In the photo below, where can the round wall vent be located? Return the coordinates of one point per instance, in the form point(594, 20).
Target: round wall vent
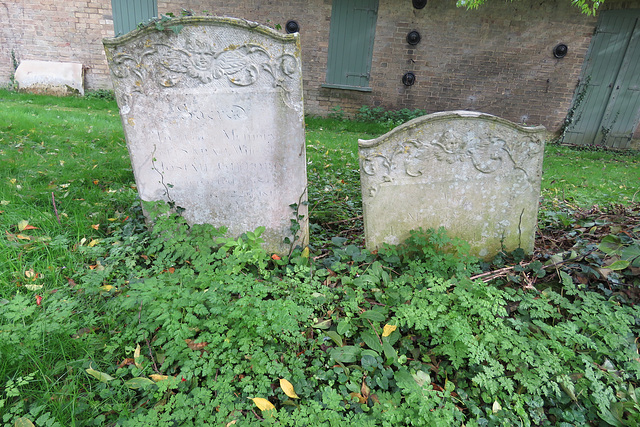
point(419, 4)
point(408, 79)
point(292, 27)
point(413, 38)
point(560, 51)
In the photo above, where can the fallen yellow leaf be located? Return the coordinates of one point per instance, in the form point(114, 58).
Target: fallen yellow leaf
point(136, 357)
point(95, 226)
point(23, 224)
point(93, 242)
point(388, 330)
point(287, 387)
point(23, 237)
point(158, 377)
point(23, 422)
point(305, 252)
point(263, 404)
point(105, 288)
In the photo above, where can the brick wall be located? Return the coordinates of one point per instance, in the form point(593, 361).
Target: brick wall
point(56, 30)
point(497, 59)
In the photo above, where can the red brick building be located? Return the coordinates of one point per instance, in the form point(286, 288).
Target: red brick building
point(498, 59)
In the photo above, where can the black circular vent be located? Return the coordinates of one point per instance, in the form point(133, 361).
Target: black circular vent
point(408, 79)
point(419, 4)
point(292, 27)
point(413, 38)
point(560, 51)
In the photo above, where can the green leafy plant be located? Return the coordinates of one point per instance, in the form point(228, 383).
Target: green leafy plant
point(108, 319)
point(391, 118)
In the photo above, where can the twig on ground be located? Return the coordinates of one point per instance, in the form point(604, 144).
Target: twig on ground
point(490, 275)
point(55, 209)
point(153, 360)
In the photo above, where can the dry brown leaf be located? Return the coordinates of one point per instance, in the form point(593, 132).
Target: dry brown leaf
point(375, 399)
point(126, 362)
point(358, 396)
point(365, 390)
point(196, 346)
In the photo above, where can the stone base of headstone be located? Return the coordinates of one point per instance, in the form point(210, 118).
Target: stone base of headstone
point(474, 174)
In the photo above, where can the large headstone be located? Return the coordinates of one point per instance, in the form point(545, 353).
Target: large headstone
point(475, 174)
point(213, 117)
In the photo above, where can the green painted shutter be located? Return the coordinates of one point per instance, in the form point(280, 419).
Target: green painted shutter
point(623, 110)
point(127, 14)
point(351, 36)
point(607, 103)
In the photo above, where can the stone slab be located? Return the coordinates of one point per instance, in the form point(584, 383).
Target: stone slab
point(213, 119)
point(475, 174)
point(50, 77)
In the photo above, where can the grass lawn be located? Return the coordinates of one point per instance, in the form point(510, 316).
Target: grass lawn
point(106, 321)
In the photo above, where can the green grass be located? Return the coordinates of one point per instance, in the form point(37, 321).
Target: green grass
point(68, 201)
point(66, 171)
point(586, 178)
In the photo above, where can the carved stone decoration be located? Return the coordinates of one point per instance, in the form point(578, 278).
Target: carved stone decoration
point(475, 174)
point(213, 119)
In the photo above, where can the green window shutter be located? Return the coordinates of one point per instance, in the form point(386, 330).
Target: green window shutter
point(351, 36)
point(606, 107)
point(127, 14)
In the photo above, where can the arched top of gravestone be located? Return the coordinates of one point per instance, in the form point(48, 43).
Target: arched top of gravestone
point(204, 55)
point(176, 25)
point(449, 119)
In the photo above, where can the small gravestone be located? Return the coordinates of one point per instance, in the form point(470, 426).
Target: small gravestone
point(474, 174)
point(50, 77)
point(213, 117)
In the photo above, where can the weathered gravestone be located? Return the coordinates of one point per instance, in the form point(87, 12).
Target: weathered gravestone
point(213, 117)
point(475, 174)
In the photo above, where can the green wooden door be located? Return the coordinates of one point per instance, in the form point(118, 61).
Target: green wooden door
point(351, 36)
point(127, 14)
point(606, 108)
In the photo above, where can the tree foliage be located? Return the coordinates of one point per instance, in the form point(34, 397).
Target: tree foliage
point(588, 7)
